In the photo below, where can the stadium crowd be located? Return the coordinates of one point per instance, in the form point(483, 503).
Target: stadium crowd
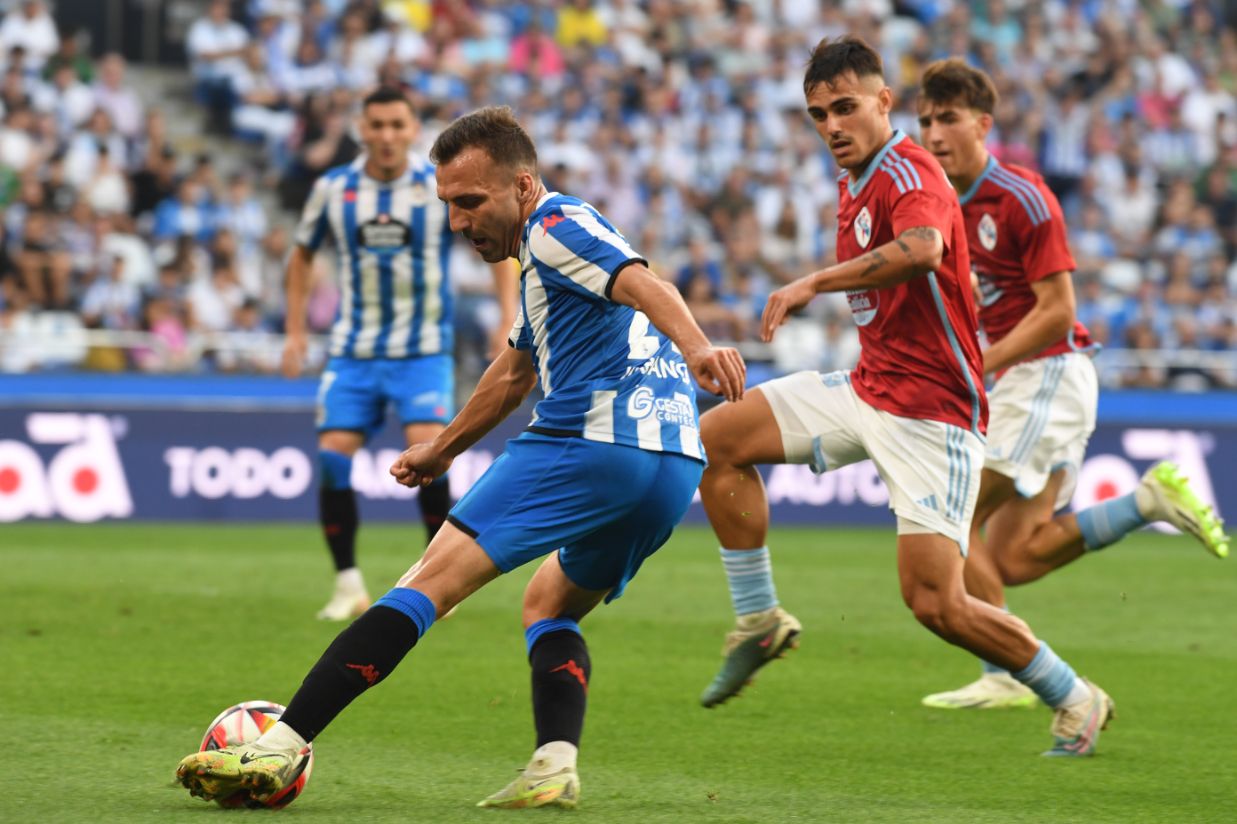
point(681, 120)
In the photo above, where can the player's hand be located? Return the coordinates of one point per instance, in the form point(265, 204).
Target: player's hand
point(420, 464)
point(789, 298)
point(293, 359)
point(719, 369)
point(976, 292)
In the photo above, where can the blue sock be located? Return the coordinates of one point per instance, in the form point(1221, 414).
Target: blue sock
point(334, 470)
point(548, 625)
point(413, 604)
point(750, 574)
point(1109, 522)
point(1048, 676)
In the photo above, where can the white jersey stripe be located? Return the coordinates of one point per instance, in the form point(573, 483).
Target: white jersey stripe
point(599, 420)
point(537, 306)
point(648, 433)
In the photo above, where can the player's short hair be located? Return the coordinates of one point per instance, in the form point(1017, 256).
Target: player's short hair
point(947, 81)
point(386, 94)
point(832, 58)
point(493, 129)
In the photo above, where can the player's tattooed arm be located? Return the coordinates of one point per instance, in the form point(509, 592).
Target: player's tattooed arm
point(914, 252)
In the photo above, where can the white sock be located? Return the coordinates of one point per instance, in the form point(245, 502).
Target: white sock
point(557, 755)
point(1077, 693)
point(281, 738)
point(349, 580)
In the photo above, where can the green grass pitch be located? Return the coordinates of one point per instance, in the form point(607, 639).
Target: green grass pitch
point(119, 643)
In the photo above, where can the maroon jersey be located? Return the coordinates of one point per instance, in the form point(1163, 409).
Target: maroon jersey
point(920, 356)
point(1016, 233)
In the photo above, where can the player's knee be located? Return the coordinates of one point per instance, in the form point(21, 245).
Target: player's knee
point(937, 612)
point(334, 470)
point(722, 442)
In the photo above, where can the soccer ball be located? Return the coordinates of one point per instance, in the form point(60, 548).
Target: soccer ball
point(242, 723)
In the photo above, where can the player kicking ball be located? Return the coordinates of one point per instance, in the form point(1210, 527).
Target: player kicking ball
point(915, 404)
point(1043, 402)
point(597, 482)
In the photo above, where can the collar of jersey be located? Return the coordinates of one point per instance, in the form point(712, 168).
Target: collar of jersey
point(970, 193)
point(856, 186)
point(528, 224)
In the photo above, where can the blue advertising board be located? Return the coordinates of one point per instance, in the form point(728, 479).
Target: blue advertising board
point(130, 447)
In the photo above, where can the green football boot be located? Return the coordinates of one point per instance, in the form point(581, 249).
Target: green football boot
point(757, 639)
point(1164, 494)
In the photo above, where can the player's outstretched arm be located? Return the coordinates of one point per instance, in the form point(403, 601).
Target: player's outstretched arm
point(296, 287)
point(1049, 320)
point(502, 388)
point(916, 251)
point(719, 369)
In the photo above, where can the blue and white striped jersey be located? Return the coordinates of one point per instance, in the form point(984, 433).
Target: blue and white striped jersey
point(606, 373)
point(393, 241)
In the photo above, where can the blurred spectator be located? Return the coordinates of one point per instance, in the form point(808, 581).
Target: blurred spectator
point(111, 302)
point(120, 102)
point(184, 215)
point(215, 44)
point(31, 27)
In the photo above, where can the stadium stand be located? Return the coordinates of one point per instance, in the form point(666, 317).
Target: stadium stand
point(683, 121)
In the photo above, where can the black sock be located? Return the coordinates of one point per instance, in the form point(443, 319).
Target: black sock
point(359, 657)
point(561, 670)
point(338, 513)
point(435, 504)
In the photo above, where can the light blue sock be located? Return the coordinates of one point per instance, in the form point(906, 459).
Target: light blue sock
point(750, 574)
point(1048, 676)
point(1109, 522)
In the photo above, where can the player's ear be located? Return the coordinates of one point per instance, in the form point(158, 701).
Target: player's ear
point(885, 99)
point(525, 185)
point(985, 124)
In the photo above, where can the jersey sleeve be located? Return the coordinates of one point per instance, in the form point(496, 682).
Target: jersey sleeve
point(519, 337)
point(920, 196)
point(314, 223)
point(580, 251)
point(1044, 247)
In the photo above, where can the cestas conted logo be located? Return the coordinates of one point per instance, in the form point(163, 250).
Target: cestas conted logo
point(84, 481)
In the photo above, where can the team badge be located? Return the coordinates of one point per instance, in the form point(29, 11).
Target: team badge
point(987, 232)
point(863, 227)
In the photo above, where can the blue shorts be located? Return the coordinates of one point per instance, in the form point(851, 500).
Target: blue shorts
point(604, 507)
point(354, 392)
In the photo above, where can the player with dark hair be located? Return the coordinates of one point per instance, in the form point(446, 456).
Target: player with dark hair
point(915, 404)
point(1043, 404)
point(392, 339)
point(597, 482)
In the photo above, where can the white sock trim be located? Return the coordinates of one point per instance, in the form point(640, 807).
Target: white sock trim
point(557, 754)
point(281, 738)
point(350, 579)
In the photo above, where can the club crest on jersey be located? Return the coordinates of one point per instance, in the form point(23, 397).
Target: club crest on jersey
point(863, 305)
point(987, 232)
point(863, 227)
point(383, 234)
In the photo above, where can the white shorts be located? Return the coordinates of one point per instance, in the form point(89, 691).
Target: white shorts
point(1041, 414)
point(931, 468)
